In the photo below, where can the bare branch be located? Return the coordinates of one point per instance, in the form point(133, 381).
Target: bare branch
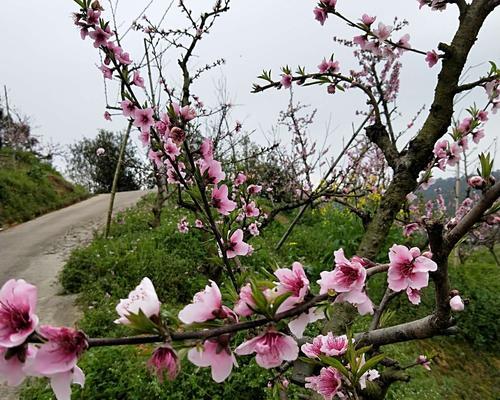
point(473, 216)
point(420, 329)
point(479, 82)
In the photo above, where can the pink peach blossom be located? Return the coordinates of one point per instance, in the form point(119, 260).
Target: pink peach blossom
point(183, 225)
point(145, 138)
point(327, 383)
point(107, 73)
point(347, 275)
point(251, 210)
point(313, 349)
point(61, 382)
point(367, 20)
point(334, 345)
point(206, 305)
point(171, 148)
point(245, 305)
point(17, 312)
point(122, 57)
point(361, 41)
point(177, 135)
point(236, 246)
point(254, 189)
point(328, 66)
point(164, 361)
point(413, 295)
point(408, 268)
point(292, 281)
point(240, 179)
point(137, 80)
point(431, 57)
point(477, 135)
point(213, 169)
point(107, 116)
point(286, 81)
point(187, 113)
point(93, 16)
point(454, 153)
point(143, 298)
point(482, 116)
point(441, 148)
point(61, 351)
point(456, 304)
point(155, 156)
point(221, 201)
point(465, 125)
point(215, 354)
point(128, 108)
point(271, 348)
point(100, 37)
point(143, 119)
point(207, 149)
point(383, 32)
point(409, 229)
point(12, 368)
point(320, 15)
point(253, 229)
point(423, 360)
point(477, 182)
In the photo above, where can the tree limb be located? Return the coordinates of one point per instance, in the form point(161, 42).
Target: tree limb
point(472, 85)
point(473, 216)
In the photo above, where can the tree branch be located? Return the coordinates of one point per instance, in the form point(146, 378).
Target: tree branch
point(472, 85)
point(420, 329)
point(388, 296)
point(473, 216)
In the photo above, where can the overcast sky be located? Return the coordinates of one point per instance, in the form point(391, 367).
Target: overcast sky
point(52, 76)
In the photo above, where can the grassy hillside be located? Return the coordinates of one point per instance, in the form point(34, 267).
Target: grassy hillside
point(107, 270)
point(30, 187)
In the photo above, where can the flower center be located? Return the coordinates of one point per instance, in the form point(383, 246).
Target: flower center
point(17, 319)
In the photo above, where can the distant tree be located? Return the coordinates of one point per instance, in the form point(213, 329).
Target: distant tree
point(92, 163)
point(15, 132)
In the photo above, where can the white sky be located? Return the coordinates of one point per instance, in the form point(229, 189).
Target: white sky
point(52, 77)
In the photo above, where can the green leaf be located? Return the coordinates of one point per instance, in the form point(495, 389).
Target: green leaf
point(494, 68)
point(363, 350)
point(141, 323)
point(258, 297)
point(278, 301)
point(333, 362)
point(308, 360)
point(369, 365)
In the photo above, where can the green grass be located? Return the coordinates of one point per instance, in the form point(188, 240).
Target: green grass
point(30, 187)
point(107, 270)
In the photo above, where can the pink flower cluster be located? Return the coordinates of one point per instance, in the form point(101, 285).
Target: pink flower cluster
point(55, 358)
point(449, 153)
point(409, 270)
point(348, 279)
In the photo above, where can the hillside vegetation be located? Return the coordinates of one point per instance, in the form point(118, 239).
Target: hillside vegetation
point(178, 264)
point(30, 187)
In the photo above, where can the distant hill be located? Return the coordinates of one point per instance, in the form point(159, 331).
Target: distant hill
point(30, 187)
point(447, 188)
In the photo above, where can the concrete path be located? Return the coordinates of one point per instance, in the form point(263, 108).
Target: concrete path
point(36, 251)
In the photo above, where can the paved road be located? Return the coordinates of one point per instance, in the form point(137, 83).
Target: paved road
point(37, 250)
